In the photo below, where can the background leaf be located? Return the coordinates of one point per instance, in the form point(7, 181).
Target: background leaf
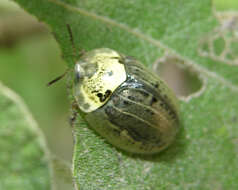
point(62, 174)
point(24, 158)
point(205, 153)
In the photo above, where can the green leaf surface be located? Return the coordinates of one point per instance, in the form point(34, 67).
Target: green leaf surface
point(24, 156)
point(204, 155)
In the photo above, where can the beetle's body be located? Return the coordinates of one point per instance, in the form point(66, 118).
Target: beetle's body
point(140, 115)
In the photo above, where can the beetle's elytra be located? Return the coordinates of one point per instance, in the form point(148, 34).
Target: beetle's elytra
point(124, 102)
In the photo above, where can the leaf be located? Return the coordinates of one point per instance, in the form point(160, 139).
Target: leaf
point(62, 174)
point(204, 155)
point(24, 159)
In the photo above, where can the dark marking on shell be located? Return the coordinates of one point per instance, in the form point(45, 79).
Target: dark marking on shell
point(103, 97)
point(94, 91)
point(153, 100)
point(126, 102)
point(156, 85)
point(100, 95)
point(131, 98)
point(107, 94)
point(120, 59)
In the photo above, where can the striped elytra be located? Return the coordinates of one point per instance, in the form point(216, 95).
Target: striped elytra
point(140, 115)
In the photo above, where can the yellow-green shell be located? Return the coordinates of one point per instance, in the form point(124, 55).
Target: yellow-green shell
point(94, 91)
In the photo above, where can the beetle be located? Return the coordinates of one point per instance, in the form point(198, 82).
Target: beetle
point(126, 103)
point(123, 101)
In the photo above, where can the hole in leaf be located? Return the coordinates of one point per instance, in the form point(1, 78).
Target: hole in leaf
point(183, 81)
point(219, 45)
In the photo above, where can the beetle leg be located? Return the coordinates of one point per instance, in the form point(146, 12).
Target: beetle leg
point(74, 113)
point(73, 118)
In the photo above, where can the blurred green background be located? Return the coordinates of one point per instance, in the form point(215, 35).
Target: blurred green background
point(30, 58)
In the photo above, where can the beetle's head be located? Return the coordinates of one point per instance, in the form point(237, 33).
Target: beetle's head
point(84, 69)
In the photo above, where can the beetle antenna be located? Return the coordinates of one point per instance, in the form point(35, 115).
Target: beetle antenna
point(71, 38)
point(72, 42)
point(57, 78)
